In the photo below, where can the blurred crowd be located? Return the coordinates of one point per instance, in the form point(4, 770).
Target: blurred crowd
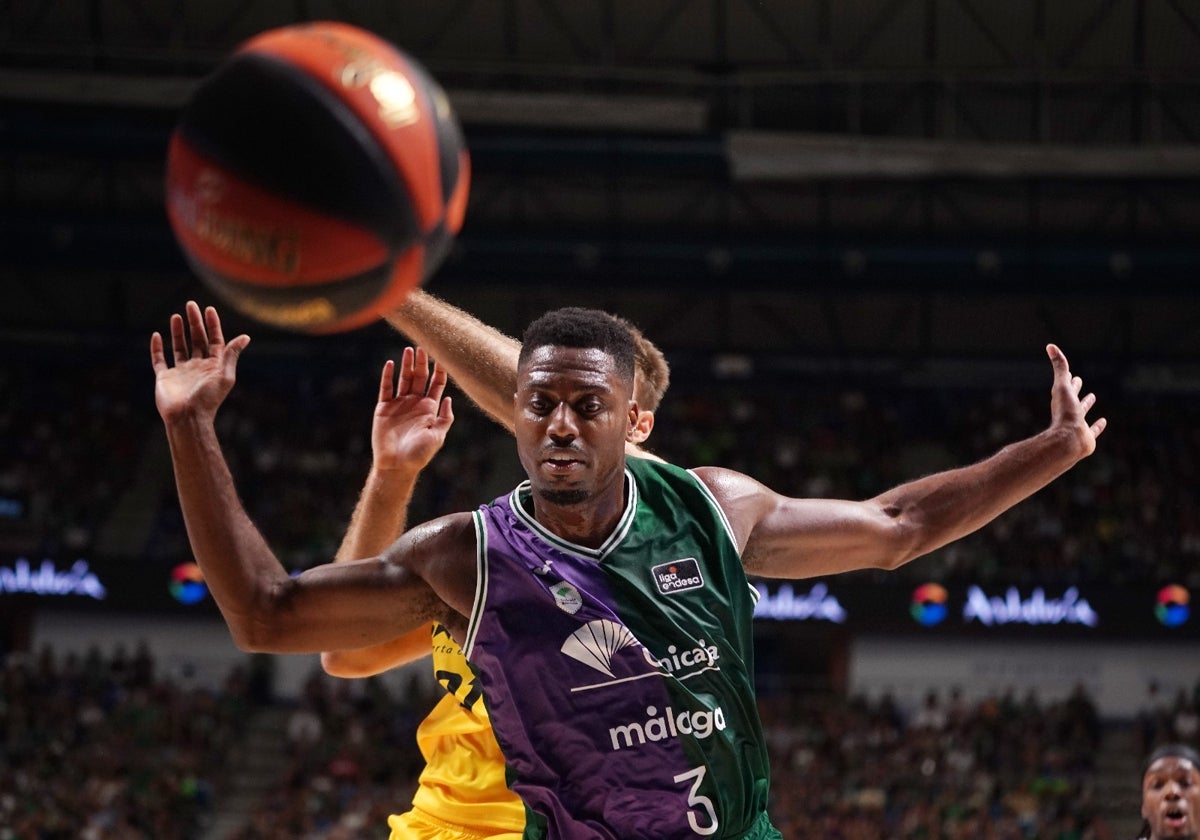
point(73, 432)
point(101, 747)
point(1128, 514)
point(1003, 767)
point(97, 747)
point(87, 448)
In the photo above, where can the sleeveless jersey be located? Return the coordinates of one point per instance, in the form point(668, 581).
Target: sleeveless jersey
point(463, 782)
point(619, 680)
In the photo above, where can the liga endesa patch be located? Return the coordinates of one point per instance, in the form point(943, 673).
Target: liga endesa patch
point(677, 576)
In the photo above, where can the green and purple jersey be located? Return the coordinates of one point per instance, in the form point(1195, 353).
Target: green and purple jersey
point(619, 680)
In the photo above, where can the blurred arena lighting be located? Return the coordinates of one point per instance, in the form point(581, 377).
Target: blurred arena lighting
point(531, 109)
point(770, 156)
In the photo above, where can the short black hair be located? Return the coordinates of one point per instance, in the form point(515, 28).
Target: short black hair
point(574, 326)
point(1172, 751)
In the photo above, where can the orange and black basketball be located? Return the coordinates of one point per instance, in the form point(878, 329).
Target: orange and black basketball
point(316, 177)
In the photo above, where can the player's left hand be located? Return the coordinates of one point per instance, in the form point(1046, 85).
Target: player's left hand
point(412, 416)
point(1068, 411)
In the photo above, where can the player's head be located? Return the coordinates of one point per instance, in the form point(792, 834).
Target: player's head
point(650, 381)
point(1171, 793)
point(575, 407)
point(587, 329)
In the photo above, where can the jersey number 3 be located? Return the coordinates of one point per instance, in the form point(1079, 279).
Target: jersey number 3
point(698, 801)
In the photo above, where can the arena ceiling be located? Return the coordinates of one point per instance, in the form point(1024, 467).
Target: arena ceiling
point(860, 176)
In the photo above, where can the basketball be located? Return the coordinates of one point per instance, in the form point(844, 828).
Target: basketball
point(316, 177)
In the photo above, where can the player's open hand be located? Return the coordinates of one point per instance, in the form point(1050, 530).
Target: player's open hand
point(412, 415)
point(1068, 410)
point(205, 368)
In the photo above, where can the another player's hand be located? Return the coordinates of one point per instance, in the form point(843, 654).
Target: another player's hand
point(411, 417)
point(202, 376)
point(1067, 409)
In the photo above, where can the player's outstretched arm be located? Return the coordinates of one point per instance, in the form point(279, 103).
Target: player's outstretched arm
point(783, 537)
point(330, 607)
point(480, 359)
point(410, 424)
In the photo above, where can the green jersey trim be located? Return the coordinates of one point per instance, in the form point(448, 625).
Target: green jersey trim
point(481, 582)
point(712, 500)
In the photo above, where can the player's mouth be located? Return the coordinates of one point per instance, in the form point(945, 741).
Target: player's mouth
point(562, 465)
point(1175, 818)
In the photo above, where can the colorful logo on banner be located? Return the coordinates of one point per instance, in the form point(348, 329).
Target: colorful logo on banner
point(187, 584)
point(929, 604)
point(1172, 608)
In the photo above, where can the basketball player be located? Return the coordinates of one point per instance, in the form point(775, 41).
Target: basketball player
point(462, 792)
point(1171, 794)
point(604, 602)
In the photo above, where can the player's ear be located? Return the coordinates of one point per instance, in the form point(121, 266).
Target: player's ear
point(643, 424)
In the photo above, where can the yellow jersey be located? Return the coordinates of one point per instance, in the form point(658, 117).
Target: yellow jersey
point(463, 782)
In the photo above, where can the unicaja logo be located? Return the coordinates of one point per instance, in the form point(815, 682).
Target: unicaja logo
point(1172, 608)
point(929, 604)
point(687, 663)
point(594, 643)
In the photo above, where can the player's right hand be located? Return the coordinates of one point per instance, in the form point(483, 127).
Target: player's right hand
point(201, 377)
point(412, 416)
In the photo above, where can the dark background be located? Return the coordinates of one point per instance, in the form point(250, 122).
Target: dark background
point(908, 179)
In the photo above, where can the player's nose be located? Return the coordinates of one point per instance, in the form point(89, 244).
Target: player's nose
point(562, 423)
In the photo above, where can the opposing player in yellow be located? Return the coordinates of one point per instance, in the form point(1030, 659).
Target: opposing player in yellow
point(463, 793)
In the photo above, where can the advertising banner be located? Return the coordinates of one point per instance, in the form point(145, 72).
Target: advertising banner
point(928, 609)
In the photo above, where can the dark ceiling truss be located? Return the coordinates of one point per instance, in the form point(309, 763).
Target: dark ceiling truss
point(955, 149)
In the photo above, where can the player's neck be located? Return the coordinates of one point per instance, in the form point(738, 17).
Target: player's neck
point(588, 523)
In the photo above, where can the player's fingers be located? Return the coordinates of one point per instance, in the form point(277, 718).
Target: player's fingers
point(233, 352)
point(1099, 426)
point(212, 323)
point(406, 372)
point(437, 383)
point(1087, 402)
point(420, 385)
point(178, 339)
point(386, 379)
point(446, 412)
point(1076, 384)
point(158, 359)
point(195, 321)
point(1058, 360)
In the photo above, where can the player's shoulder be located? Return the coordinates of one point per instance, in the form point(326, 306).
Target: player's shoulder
point(442, 552)
point(736, 493)
point(447, 538)
point(449, 526)
point(635, 451)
